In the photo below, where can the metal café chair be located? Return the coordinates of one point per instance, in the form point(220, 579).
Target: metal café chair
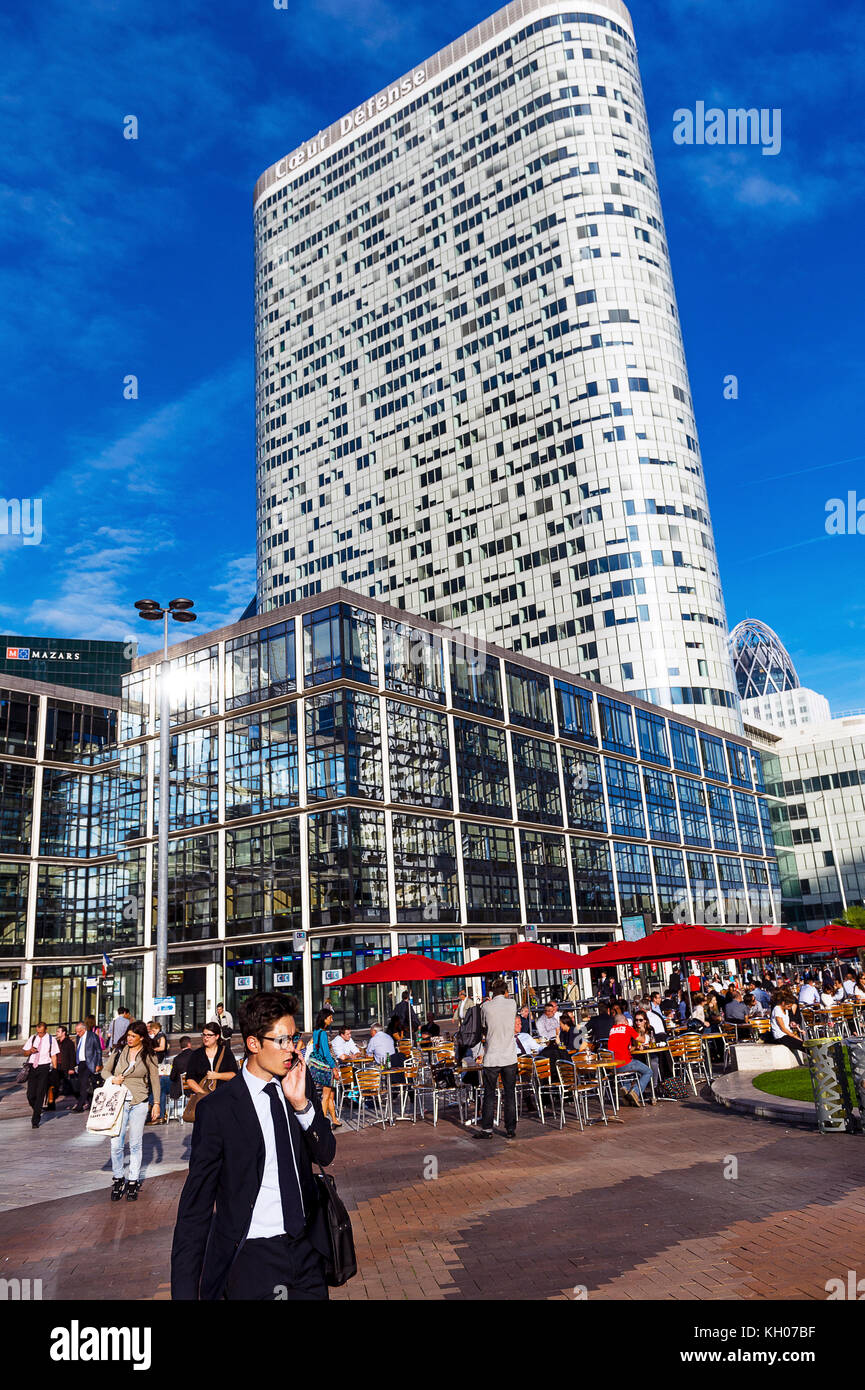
point(621, 1069)
point(545, 1082)
point(526, 1082)
point(402, 1080)
point(687, 1055)
point(369, 1092)
point(592, 1082)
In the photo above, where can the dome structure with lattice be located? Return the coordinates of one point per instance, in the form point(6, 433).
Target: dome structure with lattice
point(762, 664)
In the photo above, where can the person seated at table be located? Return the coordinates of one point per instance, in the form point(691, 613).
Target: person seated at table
point(809, 994)
point(524, 1017)
point(784, 1030)
point(620, 1010)
point(633, 1073)
point(527, 1046)
point(753, 1009)
point(548, 1023)
point(429, 1029)
point(698, 1010)
point(832, 995)
point(713, 1010)
point(851, 985)
point(859, 989)
point(660, 1063)
point(735, 1010)
point(343, 1045)
point(655, 1016)
point(381, 1045)
point(573, 1036)
point(600, 1025)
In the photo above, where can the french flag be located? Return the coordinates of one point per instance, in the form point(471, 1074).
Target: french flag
point(106, 961)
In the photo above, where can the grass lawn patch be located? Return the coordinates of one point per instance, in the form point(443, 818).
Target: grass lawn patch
point(795, 1084)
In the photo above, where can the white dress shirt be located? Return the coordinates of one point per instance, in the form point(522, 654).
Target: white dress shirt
point(656, 1022)
point(809, 995)
point(547, 1027)
point(267, 1219)
point(340, 1048)
point(46, 1048)
point(81, 1048)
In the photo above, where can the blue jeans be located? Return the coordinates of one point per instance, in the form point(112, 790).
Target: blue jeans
point(164, 1096)
point(638, 1069)
point(134, 1117)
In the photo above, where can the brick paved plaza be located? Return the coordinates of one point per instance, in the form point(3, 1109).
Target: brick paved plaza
point(641, 1210)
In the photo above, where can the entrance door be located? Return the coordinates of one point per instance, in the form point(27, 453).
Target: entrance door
point(189, 988)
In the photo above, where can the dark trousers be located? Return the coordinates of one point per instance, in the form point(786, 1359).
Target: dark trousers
point(84, 1084)
point(276, 1269)
point(37, 1088)
point(509, 1087)
point(794, 1045)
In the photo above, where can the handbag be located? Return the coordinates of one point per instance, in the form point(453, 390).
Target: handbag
point(189, 1109)
point(106, 1111)
point(23, 1074)
point(341, 1264)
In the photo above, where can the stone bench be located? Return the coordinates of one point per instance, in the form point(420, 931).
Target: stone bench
point(756, 1057)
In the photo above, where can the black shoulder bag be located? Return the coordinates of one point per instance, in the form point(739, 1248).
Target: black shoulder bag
point(341, 1264)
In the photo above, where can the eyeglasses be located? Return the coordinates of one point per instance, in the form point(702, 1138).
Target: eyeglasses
point(283, 1040)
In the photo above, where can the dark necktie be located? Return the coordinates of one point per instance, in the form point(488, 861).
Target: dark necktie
point(292, 1207)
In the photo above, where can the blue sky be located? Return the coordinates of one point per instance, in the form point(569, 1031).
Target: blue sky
point(126, 257)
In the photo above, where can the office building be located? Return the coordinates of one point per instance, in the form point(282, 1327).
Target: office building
point(349, 782)
point(472, 397)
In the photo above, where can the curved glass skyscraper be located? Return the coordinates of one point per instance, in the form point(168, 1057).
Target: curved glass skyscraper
point(472, 398)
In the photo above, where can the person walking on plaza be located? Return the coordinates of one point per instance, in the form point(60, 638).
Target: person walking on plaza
point(323, 1066)
point(119, 1027)
point(160, 1052)
point(59, 1083)
point(133, 1065)
point(225, 1021)
point(211, 1063)
point(88, 1064)
point(499, 1059)
point(178, 1069)
point(40, 1050)
point(249, 1222)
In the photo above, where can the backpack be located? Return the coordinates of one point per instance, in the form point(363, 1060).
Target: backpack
point(674, 1088)
point(471, 1029)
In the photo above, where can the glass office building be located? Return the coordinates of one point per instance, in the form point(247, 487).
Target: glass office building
point(348, 782)
point(471, 390)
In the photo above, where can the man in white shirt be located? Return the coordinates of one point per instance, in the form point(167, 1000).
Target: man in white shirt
point(548, 1023)
point(381, 1045)
point(809, 995)
point(655, 1017)
point(40, 1049)
point(850, 984)
point(344, 1045)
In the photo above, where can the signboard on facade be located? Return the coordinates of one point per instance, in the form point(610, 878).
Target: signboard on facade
point(5, 991)
point(330, 977)
point(635, 928)
point(243, 982)
point(283, 977)
point(298, 940)
point(531, 933)
point(163, 1005)
point(91, 982)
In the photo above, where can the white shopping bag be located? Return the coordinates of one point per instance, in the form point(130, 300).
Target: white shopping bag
point(106, 1110)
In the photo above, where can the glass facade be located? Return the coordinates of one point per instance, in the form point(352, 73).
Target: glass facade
point(433, 792)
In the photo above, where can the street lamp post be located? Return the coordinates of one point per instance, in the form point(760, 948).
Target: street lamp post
point(180, 610)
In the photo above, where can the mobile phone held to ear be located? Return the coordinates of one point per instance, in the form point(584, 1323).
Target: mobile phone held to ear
point(296, 1058)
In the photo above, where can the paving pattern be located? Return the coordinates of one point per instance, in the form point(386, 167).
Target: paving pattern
point(683, 1201)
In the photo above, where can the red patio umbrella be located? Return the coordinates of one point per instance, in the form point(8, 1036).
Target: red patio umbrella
point(677, 942)
point(403, 969)
point(524, 955)
point(834, 939)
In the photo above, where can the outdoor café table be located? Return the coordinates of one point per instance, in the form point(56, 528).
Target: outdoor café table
point(649, 1052)
point(706, 1038)
point(395, 1076)
point(606, 1067)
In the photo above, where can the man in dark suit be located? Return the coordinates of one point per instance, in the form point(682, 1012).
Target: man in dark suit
point(88, 1063)
point(253, 1146)
point(406, 1014)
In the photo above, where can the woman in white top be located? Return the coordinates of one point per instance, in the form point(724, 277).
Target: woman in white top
point(784, 1031)
point(830, 997)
